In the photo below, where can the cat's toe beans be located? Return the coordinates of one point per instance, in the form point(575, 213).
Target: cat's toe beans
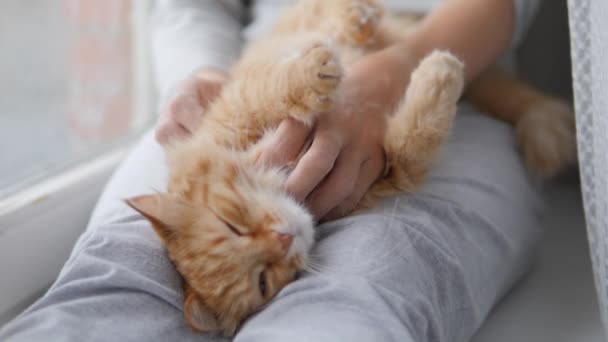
point(324, 68)
point(362, 17)
point(328, 76)
point(323, 73)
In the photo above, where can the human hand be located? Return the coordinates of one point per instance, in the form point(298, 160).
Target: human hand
point(183, 109)
point(346, 156)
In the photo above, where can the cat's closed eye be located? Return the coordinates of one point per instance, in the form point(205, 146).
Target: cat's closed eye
point(233, 228)
point(262, 283)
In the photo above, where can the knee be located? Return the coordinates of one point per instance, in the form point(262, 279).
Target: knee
point(375, 246)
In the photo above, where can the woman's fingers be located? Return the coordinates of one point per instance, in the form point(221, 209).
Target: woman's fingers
point(186, 111)
point(169, 130)
point(314, 165)
point(370, 171)
point(179, 119)
point(208, 90)
point(338, 186)
point(285, 144)
point(186, 103)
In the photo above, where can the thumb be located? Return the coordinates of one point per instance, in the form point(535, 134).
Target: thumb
point(208, 91)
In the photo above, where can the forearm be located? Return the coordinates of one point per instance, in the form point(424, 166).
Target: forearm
point(476, 31)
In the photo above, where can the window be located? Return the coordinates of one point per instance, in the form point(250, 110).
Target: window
point(75, 93)
point(74, 84)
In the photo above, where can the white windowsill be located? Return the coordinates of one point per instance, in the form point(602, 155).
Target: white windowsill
point(39, 226)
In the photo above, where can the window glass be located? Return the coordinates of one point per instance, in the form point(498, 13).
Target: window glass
point(74, 84)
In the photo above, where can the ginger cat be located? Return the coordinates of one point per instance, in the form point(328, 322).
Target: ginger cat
point(229, 227)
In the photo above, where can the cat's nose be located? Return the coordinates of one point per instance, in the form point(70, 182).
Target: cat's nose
point(285, 240)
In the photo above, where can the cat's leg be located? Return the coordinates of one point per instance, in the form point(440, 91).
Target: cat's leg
point(313, 78)
point(286, 75)
point(423, 121)
point(546, 136)
point(544, 124)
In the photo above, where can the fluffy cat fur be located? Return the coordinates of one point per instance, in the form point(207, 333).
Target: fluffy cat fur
point(228, 226)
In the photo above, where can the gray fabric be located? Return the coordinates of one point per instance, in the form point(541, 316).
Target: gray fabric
point(588, 27)
point(426, 267)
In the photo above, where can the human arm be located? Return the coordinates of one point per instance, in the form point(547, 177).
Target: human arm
point(477, 31)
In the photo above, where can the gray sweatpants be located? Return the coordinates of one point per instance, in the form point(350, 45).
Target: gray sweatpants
point(424, 267)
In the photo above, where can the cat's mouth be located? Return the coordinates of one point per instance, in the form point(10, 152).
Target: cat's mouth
point(302, 241)
point(297, 222)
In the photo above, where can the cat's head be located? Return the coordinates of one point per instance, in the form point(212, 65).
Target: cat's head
point(233, 234)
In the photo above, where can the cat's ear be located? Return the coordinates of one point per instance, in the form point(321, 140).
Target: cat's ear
point(164, 211)
point(197, 314)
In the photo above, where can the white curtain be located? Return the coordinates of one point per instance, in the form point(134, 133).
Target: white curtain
point(589, 34)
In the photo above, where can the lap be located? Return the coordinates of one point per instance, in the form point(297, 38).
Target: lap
point(454, 247)
point(423, 267)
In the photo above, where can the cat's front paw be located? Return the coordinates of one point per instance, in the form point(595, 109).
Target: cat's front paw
point(324, 68)
point(321, 73)
point(361, 19)
point(547, 139)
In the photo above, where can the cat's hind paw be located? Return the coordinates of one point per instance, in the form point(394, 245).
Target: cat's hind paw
point(423, 121)
point(438, 80)
point(431, 98)
point(547, 139)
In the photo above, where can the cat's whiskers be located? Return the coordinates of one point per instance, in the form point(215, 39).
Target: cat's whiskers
point(315, 269)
